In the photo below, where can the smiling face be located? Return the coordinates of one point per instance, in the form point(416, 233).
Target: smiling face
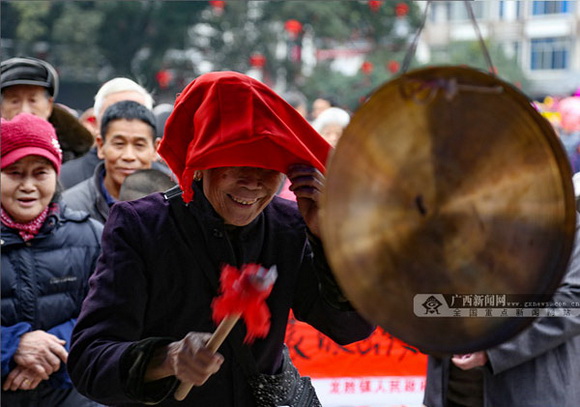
point(240, 194)
point(128, 146)
point(27, 187)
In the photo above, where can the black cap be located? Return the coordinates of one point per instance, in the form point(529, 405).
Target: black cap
point(29, 71)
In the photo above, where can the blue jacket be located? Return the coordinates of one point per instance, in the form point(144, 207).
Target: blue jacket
point(45, 280)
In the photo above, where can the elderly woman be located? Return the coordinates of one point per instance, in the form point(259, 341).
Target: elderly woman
point(331, 123)
point(148, 315)
point(48, 253)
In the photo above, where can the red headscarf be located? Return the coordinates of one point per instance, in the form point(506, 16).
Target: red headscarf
point(227, 119)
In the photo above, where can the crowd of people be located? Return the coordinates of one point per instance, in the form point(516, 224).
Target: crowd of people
point(58, 196)
point(117, 222)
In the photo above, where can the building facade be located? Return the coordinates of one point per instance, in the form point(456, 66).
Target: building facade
point(543, 36)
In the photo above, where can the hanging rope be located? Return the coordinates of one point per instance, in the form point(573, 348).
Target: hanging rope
point(413, 46)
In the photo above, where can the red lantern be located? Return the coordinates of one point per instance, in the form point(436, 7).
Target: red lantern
point(375, 5)
point(293, 27)
point(401, 9)
point(164, 78)
point(367, 67)
point(393, 66)
point(257, 60)
point(217, 4)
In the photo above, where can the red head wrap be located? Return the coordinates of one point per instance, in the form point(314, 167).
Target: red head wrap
point(227, 119)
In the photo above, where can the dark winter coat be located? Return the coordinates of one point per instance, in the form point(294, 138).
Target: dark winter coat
point(44, 282)
point(150, 283)
point(79, 169)
point(88, 196)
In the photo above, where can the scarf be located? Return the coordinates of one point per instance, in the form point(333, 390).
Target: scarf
point(30, 229)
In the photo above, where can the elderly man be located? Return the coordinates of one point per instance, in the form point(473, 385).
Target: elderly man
point(126, 143)
point(31, 85)
point(112, 91)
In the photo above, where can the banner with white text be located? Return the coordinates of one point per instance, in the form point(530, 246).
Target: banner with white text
point(380, 371)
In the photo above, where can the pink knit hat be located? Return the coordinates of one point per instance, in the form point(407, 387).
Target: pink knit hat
point(27, 134)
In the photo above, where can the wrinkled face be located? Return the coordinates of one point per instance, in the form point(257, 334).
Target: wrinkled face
point(240, 194)
point(331, 133)
point(128, 146)
point(25, 98)
point(27, 187)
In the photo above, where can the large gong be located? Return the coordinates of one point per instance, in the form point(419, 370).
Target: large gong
point(448, 193)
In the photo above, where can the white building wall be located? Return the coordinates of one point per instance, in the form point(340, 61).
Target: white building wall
point(508, 23)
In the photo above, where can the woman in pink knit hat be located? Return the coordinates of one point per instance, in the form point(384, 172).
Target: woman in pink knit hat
point(48, 253)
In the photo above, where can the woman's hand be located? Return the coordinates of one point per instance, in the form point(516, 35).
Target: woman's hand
point(21, 378)
point(307, 183)
point(188, 359)
point(470, 360)
point(41, 353)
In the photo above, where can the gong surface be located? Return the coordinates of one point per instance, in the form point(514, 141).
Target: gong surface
point(447, 181)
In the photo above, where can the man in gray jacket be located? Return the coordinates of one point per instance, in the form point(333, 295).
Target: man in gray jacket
point(539, 367)
point(126, 144)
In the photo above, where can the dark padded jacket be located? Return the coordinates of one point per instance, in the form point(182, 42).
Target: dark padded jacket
point(45, 280)
point(151, 282)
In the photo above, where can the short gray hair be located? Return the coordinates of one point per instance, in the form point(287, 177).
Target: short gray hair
point(120, 84)
point(331, 115)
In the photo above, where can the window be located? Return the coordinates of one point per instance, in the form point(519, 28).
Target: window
point(551, 7)
point(509, 9)
point(458, 10)
point(549, 53)
point(439, 12)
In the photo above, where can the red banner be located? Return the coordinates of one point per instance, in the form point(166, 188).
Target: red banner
point(381, 354)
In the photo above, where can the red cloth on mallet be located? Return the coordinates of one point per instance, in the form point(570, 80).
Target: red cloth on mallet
point(244, 292)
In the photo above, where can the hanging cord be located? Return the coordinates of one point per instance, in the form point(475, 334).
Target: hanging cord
point(479, 36)
point(413, 47)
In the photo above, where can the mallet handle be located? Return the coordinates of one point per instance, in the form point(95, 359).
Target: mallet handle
point(218, 337)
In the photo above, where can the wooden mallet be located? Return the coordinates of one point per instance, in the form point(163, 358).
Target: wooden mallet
point(243, 295)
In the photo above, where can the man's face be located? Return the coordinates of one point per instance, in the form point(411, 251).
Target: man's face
point(240, 194)
point(127, 147)
point(25, 98)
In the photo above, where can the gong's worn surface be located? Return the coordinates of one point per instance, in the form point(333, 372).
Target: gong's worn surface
point(447, 181)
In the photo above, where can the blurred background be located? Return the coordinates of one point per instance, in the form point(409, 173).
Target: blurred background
point(340, 48)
